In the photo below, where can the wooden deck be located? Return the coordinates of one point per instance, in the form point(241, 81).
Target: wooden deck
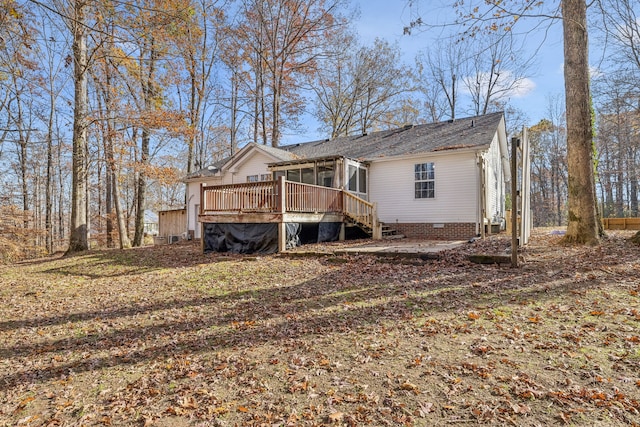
point(284, 201)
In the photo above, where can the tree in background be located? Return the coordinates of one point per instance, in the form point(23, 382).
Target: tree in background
point(440, 71)
point(107, 90)
point(197, 42)
point(583, 221)
point(152, 28)
point(359, 89)
point(549, 167)
point(621, 114)
point(288, 37)
point(618, 145)
point(496, 69)
point(78, 25)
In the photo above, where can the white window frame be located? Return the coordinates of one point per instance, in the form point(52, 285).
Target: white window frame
point(424, 173)
point(259, 177)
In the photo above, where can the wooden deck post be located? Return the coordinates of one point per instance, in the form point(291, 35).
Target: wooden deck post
point(281, 203)
point(282, 208)
point(514, 202)
point(201, 198)
point(282, 236)
point(376, 232)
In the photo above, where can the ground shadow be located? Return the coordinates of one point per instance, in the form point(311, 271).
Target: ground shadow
point(320, 306)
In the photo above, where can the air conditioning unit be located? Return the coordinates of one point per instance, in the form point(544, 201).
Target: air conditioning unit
point(174, 239)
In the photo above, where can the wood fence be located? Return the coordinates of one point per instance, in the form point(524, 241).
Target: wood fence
point(621, 223)
point(172, 223)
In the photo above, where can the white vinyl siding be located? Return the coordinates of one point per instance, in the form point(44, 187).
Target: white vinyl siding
point(254, 163)
point(495, 188)
point(392, 186)
point(193, 202)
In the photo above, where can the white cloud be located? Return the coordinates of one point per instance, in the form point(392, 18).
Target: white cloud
point(523, 88)
point(505, 87)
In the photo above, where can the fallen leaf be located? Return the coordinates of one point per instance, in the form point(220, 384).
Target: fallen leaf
point(336, 416)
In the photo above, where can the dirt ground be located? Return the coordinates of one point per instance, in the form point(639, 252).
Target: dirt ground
point(167, 336)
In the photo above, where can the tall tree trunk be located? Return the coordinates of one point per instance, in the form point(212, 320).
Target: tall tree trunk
point(108, 203)
point(633, 191)
point(79, 233)
point(23, 178)
point(148, 93)
point(233, 136)
point(582, 225)
point(141, 189)
point(275, 110)
point(49, 177)
point(619, 183)
point(193, 120)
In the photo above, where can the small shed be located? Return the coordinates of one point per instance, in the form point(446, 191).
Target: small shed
point(172, 226)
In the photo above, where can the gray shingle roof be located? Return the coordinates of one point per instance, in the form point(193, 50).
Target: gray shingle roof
point(471, 132)
point(208, 171)
point(279, 153)
point(211, 170)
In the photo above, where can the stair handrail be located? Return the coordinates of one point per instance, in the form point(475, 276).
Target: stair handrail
point(363, 212)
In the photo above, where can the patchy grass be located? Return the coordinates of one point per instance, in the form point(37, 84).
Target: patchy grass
point(167, 336)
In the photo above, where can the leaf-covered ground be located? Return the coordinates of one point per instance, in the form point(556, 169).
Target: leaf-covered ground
point(167, 336)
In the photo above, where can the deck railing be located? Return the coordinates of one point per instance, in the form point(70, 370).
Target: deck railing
point(360, 210)
point(246, 197)
point(285, 196)
point(312, 198)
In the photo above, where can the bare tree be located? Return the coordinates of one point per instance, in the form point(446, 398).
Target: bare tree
point(107, 89)
point(495, 70)
point(79, 227)
point(358, 89)
point(441, 70)
point(287, 37)
point(197, 45)
point(583, 225)
point(621, 19)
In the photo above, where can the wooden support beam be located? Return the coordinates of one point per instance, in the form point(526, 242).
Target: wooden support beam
point(282, 237)
point(514, 202)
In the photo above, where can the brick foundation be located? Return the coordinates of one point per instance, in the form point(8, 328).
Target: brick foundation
point(447, 231)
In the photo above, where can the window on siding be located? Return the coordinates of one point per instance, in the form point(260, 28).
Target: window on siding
point(425, 181)
point(257, 178)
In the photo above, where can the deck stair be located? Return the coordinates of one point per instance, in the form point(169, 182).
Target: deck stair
point(389, 232)
point(362, 214)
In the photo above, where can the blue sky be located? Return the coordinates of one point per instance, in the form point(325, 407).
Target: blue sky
point(387, 18)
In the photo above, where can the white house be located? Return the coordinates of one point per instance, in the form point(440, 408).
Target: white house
point(439, 180)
